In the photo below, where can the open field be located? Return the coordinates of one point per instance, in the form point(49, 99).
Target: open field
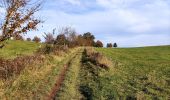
point(140, 72)
point(18, 48)
point(90, 74)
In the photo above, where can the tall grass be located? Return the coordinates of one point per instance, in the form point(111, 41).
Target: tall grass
point(36, 81)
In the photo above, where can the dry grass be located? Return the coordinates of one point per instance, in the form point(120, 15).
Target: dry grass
point(98, 59)
point(36, 80)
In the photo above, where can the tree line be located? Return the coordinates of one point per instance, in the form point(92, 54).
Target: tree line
point(19, 19)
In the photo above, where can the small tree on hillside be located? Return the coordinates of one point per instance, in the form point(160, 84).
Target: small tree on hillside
point(70, 35)
point(49, 37)
point(109, 45)
point(19, 17)
point(115, 45)
point(28, 39)
point(36, 39)
point(18, 37)
point(98, 44)
point(89, 39)
point(61, 40)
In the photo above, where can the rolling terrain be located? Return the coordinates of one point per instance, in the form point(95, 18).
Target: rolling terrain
point(85, 73)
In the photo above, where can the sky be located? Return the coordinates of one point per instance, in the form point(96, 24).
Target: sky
point(129, 23)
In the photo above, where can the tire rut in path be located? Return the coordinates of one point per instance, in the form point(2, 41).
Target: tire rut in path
point(60, 79)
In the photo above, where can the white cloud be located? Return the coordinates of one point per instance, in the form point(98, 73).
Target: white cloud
point(74, 2)
point(122, 21)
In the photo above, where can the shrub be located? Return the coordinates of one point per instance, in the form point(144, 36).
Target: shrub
point(98, 44)
point(28, 39)
point(115, 45)
point(36, 39)
point(9, 67)
point(109, 45)
point(18, 37)
point(98, 59)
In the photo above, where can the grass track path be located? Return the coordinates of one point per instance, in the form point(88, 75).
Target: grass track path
point(67, 78)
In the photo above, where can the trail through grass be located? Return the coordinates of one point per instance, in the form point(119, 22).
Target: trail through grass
point(70, 89)
point(37, 81)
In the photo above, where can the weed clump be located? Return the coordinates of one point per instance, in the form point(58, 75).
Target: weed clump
point(97, 58)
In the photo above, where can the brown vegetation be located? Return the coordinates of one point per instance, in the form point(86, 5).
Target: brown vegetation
point(97, 58)
point(36, 39)
point(9, 68)
point(19, 17)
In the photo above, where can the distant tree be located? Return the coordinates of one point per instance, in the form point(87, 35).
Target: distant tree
point(89, 39)
point(81, 41)
point(28, 39)
point(36, 39)
point(115, 45)
point(49, 37)
point(19, 17)
point(109, 45)
point(61, 40)
point(70, 34)
point(98, 44)
point(18, 37)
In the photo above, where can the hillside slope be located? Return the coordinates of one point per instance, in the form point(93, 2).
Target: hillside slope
point(142, 73)
point(14, 48)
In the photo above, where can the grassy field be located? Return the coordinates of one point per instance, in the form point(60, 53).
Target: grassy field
point(35, 81)
point(131, 74)
point(142, 73)
point(13, 49)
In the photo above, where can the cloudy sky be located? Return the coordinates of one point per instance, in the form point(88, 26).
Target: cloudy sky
point(130, 23)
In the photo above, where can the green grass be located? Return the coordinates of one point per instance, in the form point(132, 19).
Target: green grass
point(13, 49)
point(36, 81)
point(142, 73)
point(70, 89)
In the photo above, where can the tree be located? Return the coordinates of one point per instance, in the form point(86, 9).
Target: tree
point(28, 39)
point(98, 44)
point(49, 37)
point(61, 40)
point(19, 17)
point(18, 37)
point(70, 35)
point(36, 39)
point(89, 39)
point(115, 45)
point(109, 45)
point(81, 41)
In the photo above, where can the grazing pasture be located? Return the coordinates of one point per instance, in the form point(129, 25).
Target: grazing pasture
point(13, 49)
point(140, 73)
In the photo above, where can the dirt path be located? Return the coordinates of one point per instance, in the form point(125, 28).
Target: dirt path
point(60, 79)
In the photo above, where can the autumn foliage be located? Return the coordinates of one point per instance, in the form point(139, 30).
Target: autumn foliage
point(19, 18)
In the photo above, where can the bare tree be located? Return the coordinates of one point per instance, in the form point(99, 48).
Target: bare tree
point(19, 17)
point(70, 34)
point(49, 37)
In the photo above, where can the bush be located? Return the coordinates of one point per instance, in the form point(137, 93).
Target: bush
point(28, 39)
point(109, 45)
point(36, 39)
point(98, 44)
point(115, 45)
point(47, 49)
point(18, 37)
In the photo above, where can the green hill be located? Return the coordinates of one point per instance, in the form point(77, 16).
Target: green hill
point(133, 73)
point(140, 72)
point(14, 48)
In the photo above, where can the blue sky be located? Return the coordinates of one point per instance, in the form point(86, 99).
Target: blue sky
point(130, 23)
